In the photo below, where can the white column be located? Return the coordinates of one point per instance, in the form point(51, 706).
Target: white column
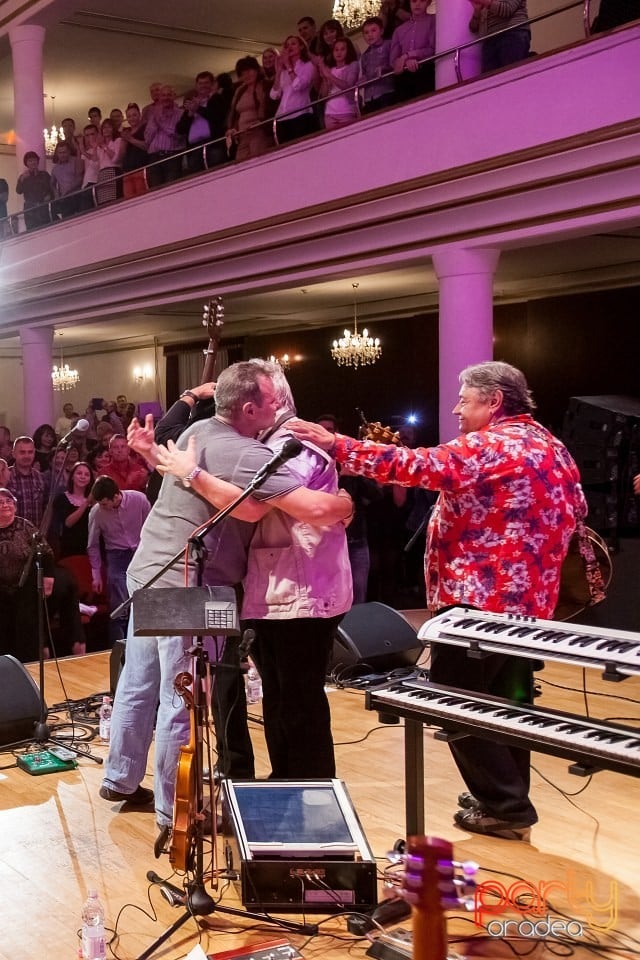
point(452, 29)
point(465, 279)
point(36, 376)
point(26, 53)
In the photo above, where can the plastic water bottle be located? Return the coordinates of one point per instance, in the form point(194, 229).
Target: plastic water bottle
point(93, 941)
point(105, 719)
point(254, 685)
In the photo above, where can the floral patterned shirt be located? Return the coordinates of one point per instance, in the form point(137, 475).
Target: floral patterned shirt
point(510, 497)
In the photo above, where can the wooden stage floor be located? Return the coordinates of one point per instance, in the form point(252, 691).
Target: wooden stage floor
point(59, 838)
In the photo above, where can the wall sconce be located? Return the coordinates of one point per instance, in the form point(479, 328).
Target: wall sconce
point(140, 374)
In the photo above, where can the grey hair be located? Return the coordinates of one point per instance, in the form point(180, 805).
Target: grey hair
point(283, 391)
point(495, 375)
point(240, 384)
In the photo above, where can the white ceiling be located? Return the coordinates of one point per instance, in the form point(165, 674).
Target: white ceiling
point(94, 55)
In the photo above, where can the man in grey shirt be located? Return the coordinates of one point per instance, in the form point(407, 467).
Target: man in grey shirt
point(246, 404)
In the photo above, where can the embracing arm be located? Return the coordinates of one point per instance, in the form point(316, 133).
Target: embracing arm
point(310, 506)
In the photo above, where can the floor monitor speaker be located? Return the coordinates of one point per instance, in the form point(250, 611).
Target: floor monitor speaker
point(377, 637)
point(19, 703)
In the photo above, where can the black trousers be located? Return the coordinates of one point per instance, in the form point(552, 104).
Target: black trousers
point(229, 706)
point(292, 658)
point(498, 776)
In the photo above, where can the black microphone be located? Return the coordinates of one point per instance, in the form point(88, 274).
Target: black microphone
point(248, 637)
point(290, 449)
point(81, 427)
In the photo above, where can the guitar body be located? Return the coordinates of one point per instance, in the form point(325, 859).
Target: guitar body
point(184, 805)
point(429, 876)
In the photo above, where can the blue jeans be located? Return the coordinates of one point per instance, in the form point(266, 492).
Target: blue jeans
point(146, 682)
point(117, 563)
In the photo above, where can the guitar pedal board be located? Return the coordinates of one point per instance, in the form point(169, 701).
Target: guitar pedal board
point(272, 950)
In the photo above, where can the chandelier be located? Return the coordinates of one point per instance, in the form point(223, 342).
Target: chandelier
point(355, 349)
point(351, 13)
point(62, 377)
point(51, 137)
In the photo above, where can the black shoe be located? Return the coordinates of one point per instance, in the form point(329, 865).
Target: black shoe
point(475, 820)
point(161, 844)
point(141, 796)
point(467, 801)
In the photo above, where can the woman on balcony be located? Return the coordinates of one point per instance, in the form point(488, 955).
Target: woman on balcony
point(339, 78)
point(249, 110)
point(110, 153)
point(292, 87)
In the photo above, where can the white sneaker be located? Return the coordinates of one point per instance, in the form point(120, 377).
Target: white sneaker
point(87, 610)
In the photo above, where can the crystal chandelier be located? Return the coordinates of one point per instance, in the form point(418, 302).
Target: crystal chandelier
point(351, 13)
point(62, 377)
point(355, 349)
point(51, 137)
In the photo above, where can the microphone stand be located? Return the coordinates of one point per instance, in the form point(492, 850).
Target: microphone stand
point(42, 731)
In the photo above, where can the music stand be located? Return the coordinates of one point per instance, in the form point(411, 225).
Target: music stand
point(199, 612)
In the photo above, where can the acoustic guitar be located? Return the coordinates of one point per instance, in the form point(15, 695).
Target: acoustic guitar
point(434, 882)
point(213, 320)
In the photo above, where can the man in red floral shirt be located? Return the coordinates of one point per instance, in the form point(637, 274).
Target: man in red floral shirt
point(510, 498)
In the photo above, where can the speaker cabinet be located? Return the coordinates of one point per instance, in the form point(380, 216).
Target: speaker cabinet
point(19, 703)
point(377, 637)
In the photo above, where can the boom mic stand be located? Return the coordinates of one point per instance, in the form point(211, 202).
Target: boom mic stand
point(42, 731)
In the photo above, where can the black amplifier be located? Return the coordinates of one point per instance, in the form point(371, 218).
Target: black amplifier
point(298, 847)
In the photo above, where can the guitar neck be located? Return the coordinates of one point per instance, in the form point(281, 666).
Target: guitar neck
point(429, 934)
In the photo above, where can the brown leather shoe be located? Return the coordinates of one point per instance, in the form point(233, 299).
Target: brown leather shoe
point(475, 820)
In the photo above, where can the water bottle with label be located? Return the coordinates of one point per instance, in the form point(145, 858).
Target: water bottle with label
point(93, 940)
point(254, 684)
point(105, 719)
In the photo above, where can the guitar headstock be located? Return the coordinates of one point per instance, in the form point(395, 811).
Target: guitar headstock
point(379, 434)
point(433, 880)
point(213, 318)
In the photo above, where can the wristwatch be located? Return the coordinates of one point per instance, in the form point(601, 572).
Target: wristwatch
point(189, 393)
point(190, 477)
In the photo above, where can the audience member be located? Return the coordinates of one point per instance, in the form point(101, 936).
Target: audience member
point(110, 153)
point(99, 459)
point(70, 137)
point(412, 42)
point(71, 512)
point(292, 87)
point(269, 57)
point(4, 199)
point(112, 417)
point(163, 140)
point(308, 33)
point(117, 119)
point(89, 155)
point(44, 439)
point(117, 518)
point(6, 445)
point(66, 181)
point(67, 421)
point(154, 93)
point(340, 76)
point(26, 483)
point(201, 115)
point(35, 186)
point(124, 468)
point(504, 48)
point(104, 433)
point(134, 159)
point(613, 13)
point(330, 31)
point(375, 61)
point(56, 476)
point(393, 13)
point(249, 111)
point(21, 545)
point(94, 115)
